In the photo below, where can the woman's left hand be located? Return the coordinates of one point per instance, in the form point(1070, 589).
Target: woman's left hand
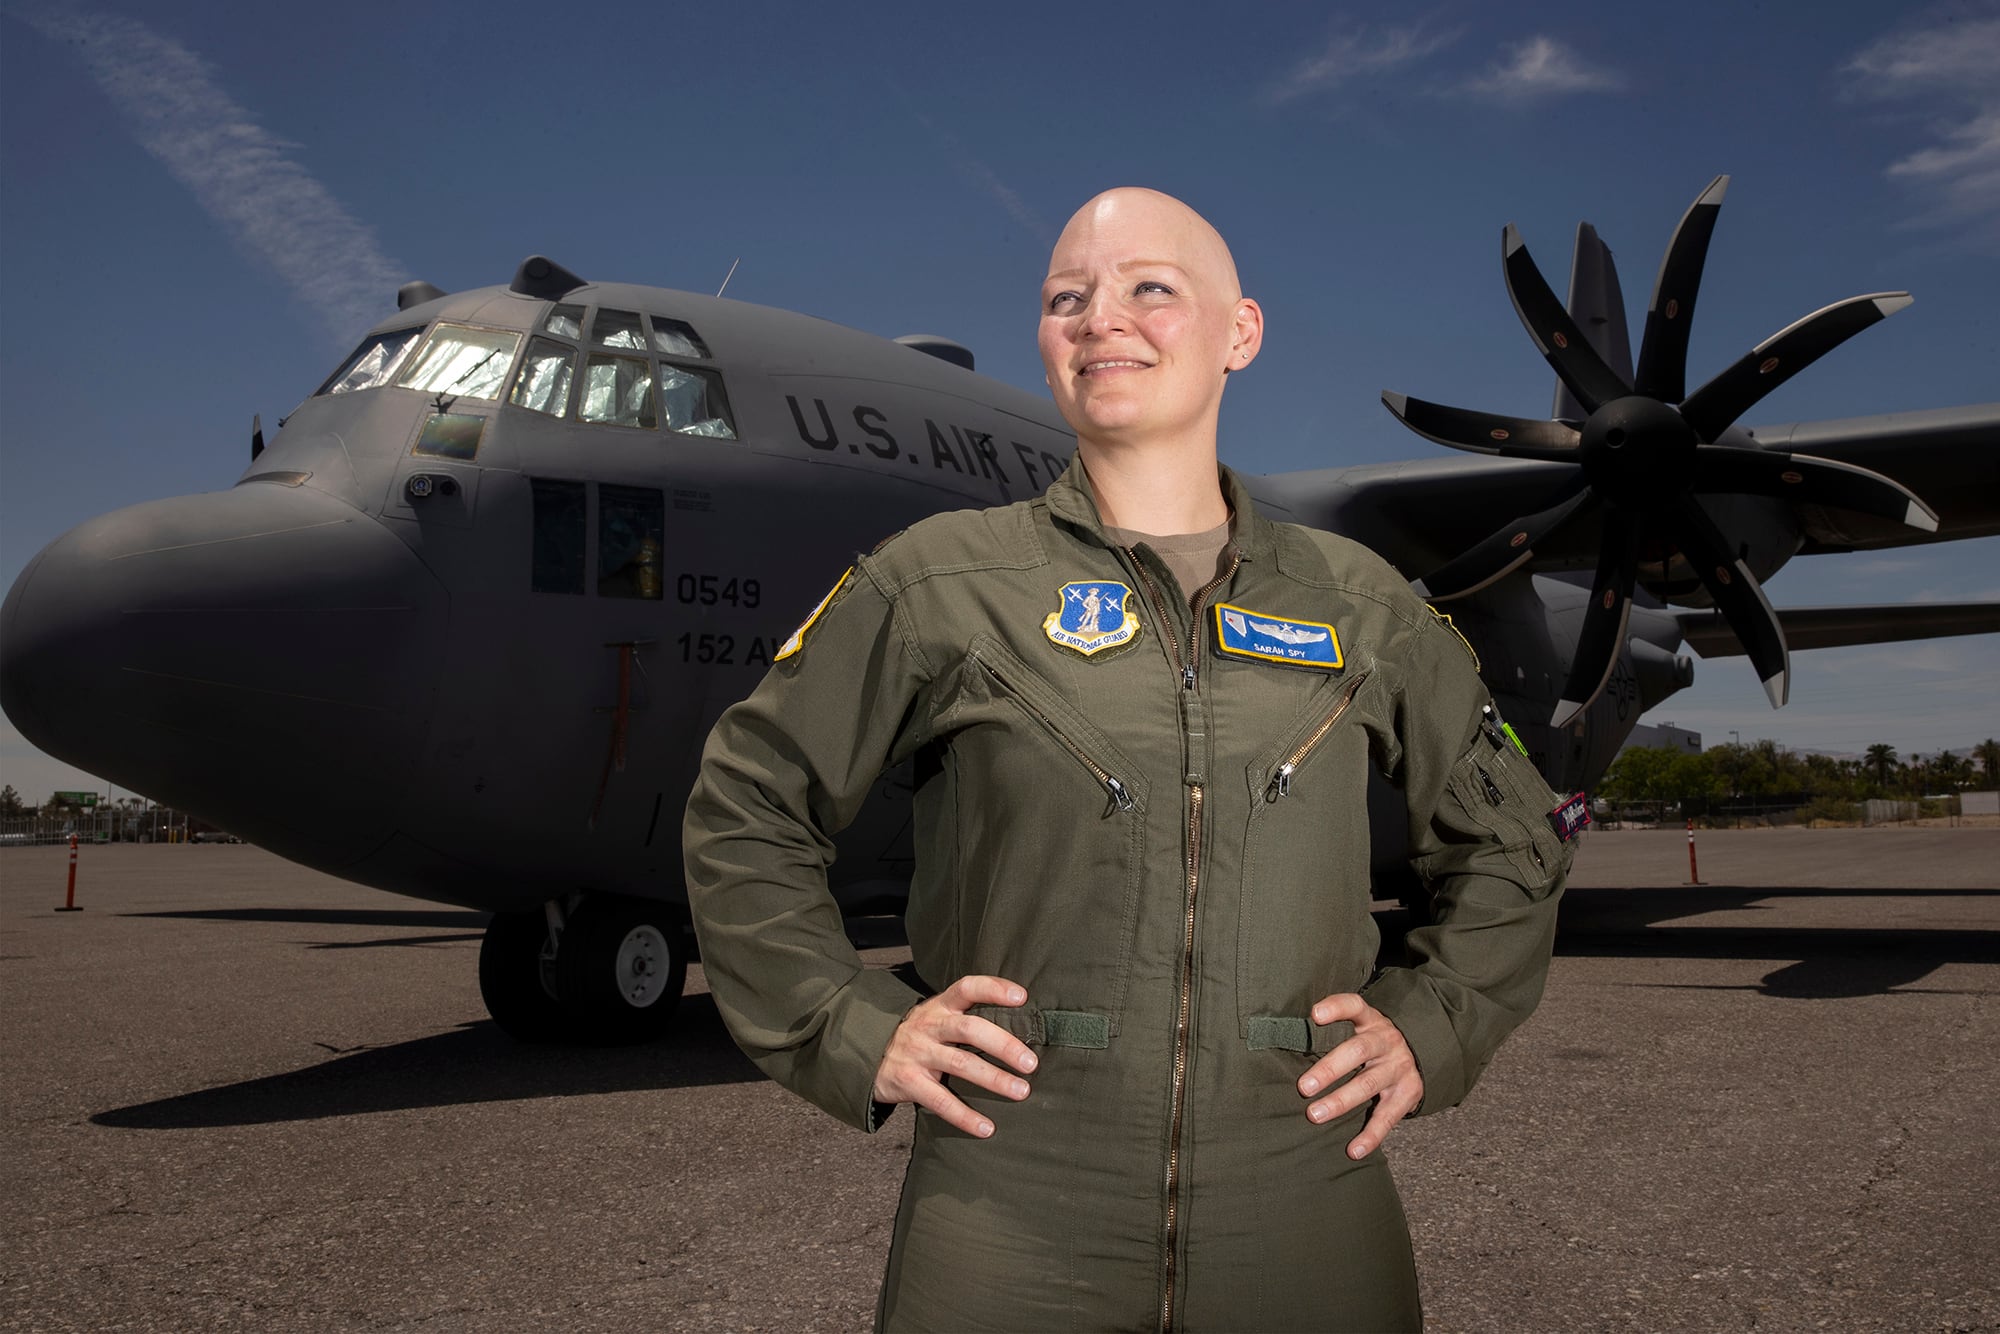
point(1387, 1066)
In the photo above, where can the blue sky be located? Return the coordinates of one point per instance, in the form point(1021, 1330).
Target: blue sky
point(203, 205)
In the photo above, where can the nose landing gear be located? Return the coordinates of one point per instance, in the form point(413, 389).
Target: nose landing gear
point(610, 976)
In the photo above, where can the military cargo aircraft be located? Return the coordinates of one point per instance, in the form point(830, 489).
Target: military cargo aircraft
point(460, 629)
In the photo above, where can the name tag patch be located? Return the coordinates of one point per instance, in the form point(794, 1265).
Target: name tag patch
point(1571, 818)
point(1092, 616)
point(1243, 633)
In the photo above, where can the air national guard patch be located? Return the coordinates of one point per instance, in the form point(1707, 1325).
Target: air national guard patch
point(1093, 616)
point(798, 639)
point(1242, 633)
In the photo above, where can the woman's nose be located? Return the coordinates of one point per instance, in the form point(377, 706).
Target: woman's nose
point(1104, 314)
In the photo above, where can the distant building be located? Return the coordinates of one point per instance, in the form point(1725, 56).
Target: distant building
point(1662, 736)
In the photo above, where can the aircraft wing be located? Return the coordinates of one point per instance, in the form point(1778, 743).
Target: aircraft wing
point(1420, 514)
point(1948, 456)
point(1833, 627)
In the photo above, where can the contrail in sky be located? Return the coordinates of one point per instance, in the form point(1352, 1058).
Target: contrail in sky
point(238, 171)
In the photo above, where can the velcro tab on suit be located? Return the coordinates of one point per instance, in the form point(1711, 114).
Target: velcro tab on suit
point(1075, 1028)
point(1049, 1028)
point(1289, 1032)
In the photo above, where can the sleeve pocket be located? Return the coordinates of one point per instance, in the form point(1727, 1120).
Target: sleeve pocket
point(1509, 808)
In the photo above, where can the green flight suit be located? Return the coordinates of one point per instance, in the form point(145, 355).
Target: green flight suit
point(1118, 831)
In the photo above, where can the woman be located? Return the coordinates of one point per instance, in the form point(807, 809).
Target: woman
point(1143, 874)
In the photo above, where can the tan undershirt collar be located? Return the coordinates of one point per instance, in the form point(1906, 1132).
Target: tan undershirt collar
point(1194, 558)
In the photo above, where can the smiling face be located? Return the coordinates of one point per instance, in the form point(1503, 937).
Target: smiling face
point(1141, 320)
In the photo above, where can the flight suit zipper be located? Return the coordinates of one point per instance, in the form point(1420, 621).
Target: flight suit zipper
point(1121, 797)
point(1281, 779)
point(1184, 1014)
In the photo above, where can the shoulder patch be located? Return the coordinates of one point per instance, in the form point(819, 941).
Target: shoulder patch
point(1445, 621)
point(1243, 633)
point(798, 639)
point(1092, 615)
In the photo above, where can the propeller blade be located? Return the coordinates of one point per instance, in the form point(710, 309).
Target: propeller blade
point(1711, 408)
point(1503, 551)
point(1663, 348)
point(1568, 352)
point(1484, 432)
point(256, 435)
point(1602, 637)
point(1738, 596)
point(1597, 304)
point(1810, 481)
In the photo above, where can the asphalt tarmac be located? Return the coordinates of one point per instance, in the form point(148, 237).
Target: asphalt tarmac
point(242, 1095)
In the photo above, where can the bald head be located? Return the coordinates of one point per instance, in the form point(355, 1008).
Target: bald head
point(1155, 226)
point(1142, 319)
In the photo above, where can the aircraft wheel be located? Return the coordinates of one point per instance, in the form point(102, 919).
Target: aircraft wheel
point(517, 983)
point(621, 968)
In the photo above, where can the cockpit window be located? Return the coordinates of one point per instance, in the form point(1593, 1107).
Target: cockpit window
point(462, 362)
point(373, 363)
point(677, 339)
point(618, 328)
point(695, 402)
point(543, 383)
point(619, 391)
point(558, 549)
point(630, 521)
point(565, 320)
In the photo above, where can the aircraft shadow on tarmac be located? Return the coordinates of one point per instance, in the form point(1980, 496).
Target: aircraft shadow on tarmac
point(474, 922)
point(460, 917)
point(473, 1063)
point(1823, 962)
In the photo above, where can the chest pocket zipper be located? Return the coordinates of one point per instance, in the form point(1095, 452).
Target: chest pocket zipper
point(1281, 779)
point(1121, 797)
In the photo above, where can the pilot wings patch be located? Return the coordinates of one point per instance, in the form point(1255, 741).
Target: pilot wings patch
point(1243, 633)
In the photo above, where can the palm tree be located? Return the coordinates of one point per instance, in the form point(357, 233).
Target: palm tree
point(1880, 758)
point(1988, 752)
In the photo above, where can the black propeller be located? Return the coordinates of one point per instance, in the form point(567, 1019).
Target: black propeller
point(1645, 449)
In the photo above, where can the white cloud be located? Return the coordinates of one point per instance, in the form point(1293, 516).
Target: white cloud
point(1951, 70)
point(1542, 67)
point(1952, 56)
point(1358, 52)
point(239, 173)
point(985, 180)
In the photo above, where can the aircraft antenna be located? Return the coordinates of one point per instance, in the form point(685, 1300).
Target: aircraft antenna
point(731, 274)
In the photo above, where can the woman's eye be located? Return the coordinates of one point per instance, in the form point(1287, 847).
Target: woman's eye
point(1061, 299)
point(1155, 287)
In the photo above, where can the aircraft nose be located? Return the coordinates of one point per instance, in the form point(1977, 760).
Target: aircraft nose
point(264, 657)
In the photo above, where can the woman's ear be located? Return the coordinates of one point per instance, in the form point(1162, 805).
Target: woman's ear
point(1246, 334)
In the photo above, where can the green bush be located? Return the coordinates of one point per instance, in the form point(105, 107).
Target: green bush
point(1831, 809)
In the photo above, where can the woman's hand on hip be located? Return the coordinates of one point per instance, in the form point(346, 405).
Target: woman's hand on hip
point(1386, 1070)
point(938, 1038)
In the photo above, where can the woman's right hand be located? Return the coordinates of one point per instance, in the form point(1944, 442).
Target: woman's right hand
point(938, 1038)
